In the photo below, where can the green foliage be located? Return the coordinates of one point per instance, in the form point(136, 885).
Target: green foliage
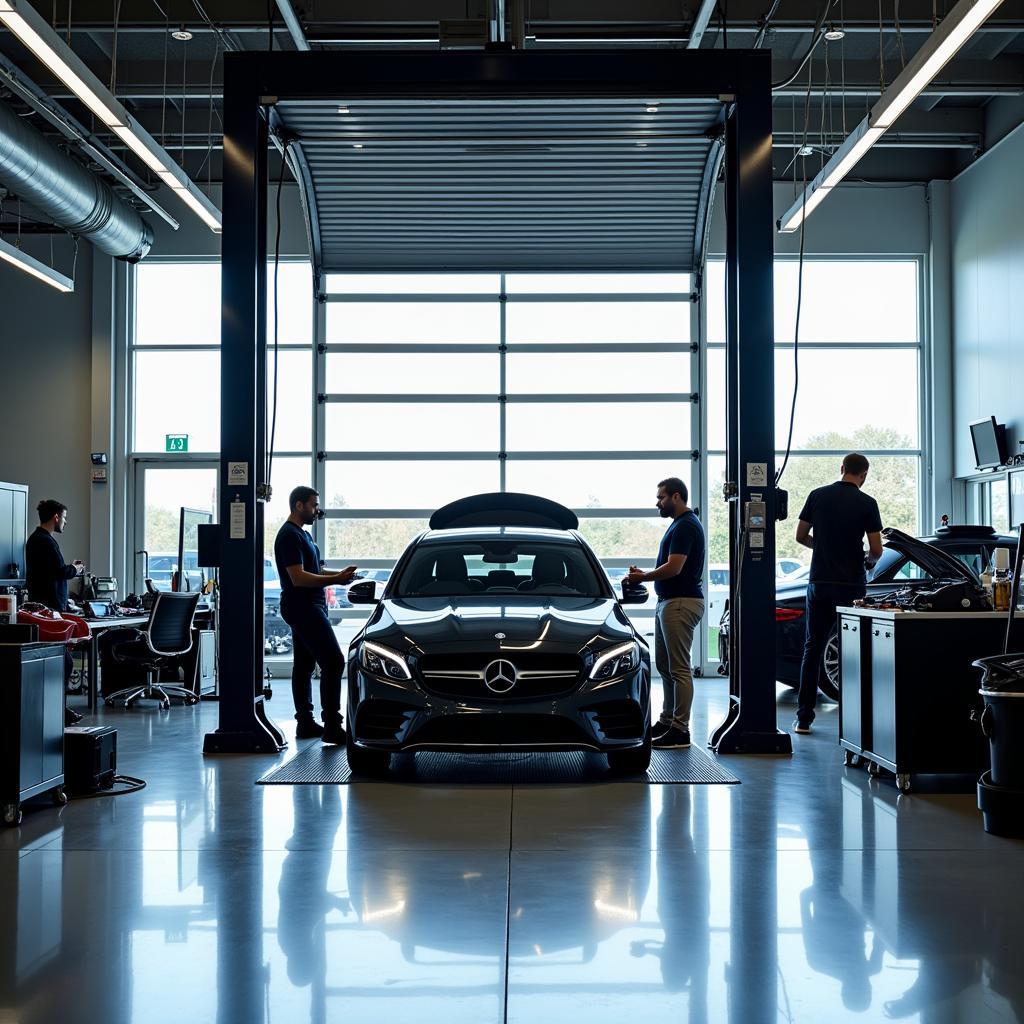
point(161, 529)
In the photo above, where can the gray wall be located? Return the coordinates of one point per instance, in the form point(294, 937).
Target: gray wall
point(46, 342)
point(987, 242)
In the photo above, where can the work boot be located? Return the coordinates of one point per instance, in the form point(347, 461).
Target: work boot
point(308, 729)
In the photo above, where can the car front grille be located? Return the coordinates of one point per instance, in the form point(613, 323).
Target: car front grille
point(538, 675)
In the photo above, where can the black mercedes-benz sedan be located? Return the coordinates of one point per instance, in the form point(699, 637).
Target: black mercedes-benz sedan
point(498, 630)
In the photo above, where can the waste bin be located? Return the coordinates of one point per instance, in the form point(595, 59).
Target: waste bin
point(1001, 789)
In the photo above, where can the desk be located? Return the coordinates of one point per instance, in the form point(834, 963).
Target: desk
point(96, 627)
point(907, 688)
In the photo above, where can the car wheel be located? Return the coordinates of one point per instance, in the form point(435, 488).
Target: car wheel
point(829, 681)
point(631, 762)
point(366, 762)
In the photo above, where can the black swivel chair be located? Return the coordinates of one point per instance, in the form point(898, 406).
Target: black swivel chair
point(167, 635)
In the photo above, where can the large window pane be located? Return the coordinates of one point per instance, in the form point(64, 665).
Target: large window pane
point(353, 539)
point(624, 538)
point(608, 372)
point(567, 284)
point(598, 426)
point(294, 303)
point(598, 483)
point(418, 427)
point(456, 373)
point(844, 301)
point(715, 398)
point(401, 485)
point(285, 475)
point(848, 398)
point(597, 322)
point(177, 393)
point(294, 425)
point(177, 304)
point(413, 284)
point(414, 322)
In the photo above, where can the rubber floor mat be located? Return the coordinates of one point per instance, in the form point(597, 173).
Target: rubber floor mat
point(325, 765)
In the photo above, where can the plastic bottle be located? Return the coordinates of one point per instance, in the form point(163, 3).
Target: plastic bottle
point(1001, 582)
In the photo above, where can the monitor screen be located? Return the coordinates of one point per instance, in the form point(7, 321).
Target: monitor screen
point(13, 533)
point(988, 443)
point(190, 576)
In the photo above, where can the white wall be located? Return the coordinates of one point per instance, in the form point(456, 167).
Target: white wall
point(987, 227)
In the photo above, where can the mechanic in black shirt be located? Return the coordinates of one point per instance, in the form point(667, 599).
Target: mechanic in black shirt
point(678, 583)
point(832, 524)
point(46, 574)
point(304, 608)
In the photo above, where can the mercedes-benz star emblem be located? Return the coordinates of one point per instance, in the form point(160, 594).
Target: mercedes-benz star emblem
point(500, 676)
point(499, 636)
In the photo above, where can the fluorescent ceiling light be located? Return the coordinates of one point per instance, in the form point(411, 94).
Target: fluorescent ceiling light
point(42, 49)
point(140, 149)
point(208, 216)
point(940, 47)
point(956, 28)
point(30, 265)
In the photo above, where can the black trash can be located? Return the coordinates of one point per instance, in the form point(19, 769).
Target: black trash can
point(1001, 789)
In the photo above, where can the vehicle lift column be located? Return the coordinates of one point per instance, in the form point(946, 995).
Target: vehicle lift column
point(750, 725)
point(244, 725)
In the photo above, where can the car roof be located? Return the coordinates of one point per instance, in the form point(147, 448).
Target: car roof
point(496, 532)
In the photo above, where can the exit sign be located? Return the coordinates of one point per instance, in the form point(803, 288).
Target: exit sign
point(176, 442)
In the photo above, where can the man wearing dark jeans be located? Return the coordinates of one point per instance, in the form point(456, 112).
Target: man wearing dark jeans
point(304, 608)
point(832, 524)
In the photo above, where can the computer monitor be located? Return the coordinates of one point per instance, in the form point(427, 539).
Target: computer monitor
point(989, 440)
point(13, 534)
point(190, 575)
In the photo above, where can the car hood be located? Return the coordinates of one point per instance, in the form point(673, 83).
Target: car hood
point(930, 557)
point(555, 624)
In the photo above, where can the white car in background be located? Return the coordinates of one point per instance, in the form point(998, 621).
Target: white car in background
point(718, 583)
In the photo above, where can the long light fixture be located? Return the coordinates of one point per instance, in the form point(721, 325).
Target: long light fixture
point(36, 34)
point(939, 48)
point(13, 255)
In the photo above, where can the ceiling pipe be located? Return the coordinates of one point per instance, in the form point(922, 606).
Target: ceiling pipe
point(60, 188)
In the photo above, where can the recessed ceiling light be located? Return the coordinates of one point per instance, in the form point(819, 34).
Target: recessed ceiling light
point(652, 110)
point(833, 34)
point(182, 34)
point(342, 110)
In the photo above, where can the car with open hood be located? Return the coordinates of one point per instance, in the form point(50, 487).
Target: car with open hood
point(957, 553)
point(498, 630)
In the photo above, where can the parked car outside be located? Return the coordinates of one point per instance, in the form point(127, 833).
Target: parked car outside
point(492, 635)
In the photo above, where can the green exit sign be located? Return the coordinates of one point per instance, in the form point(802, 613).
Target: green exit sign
point(176, 442)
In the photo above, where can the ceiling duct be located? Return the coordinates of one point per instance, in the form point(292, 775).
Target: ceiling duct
point(60, 188)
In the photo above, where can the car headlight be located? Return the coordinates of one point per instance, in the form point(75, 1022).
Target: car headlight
point(616, 661)
point(382, 661)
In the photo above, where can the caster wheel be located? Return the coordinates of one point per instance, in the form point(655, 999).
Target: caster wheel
point(850, 759)
point(12, 815)
point(59, 797)
point(903, 782)
point(874, 770)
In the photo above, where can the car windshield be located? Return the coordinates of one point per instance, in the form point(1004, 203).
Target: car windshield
point(466, 567)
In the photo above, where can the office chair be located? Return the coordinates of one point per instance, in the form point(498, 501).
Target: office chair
point(167, 635)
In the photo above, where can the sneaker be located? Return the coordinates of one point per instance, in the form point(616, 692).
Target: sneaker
point(673, 738)
point(660, 728)
point(804, 728)
point(308, 729)
point(333, 734)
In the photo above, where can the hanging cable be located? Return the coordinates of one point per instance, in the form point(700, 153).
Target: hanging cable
point(881, 51)
point(765, 21)
point(207, 161)
point(899, 33)
point(184, 91)
point(163, 95)
point(277, 264)
point(113, 48)
point(817, 35)
point(723, 17)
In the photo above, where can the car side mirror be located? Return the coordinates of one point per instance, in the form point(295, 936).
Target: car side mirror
point(364, 592)
point(633, 593)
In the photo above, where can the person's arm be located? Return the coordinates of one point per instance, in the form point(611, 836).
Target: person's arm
point(804, 535)
point(303, 578)
point(874, 548)
point(673, 566)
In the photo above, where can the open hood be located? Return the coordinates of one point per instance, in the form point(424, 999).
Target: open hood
point(937, 562)
point(508, 509)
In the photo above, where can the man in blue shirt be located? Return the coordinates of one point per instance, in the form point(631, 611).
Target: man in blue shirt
point(304, 608)
point(833, 523)
point(678, 582)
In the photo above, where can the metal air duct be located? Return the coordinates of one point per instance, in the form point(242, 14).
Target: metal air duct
point(60, 188)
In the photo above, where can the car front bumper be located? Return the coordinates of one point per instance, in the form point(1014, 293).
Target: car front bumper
point(406, 717)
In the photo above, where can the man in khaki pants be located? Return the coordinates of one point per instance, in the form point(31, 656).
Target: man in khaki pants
point(678, 582)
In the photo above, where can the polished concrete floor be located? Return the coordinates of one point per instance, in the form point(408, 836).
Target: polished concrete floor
point(808, 893)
